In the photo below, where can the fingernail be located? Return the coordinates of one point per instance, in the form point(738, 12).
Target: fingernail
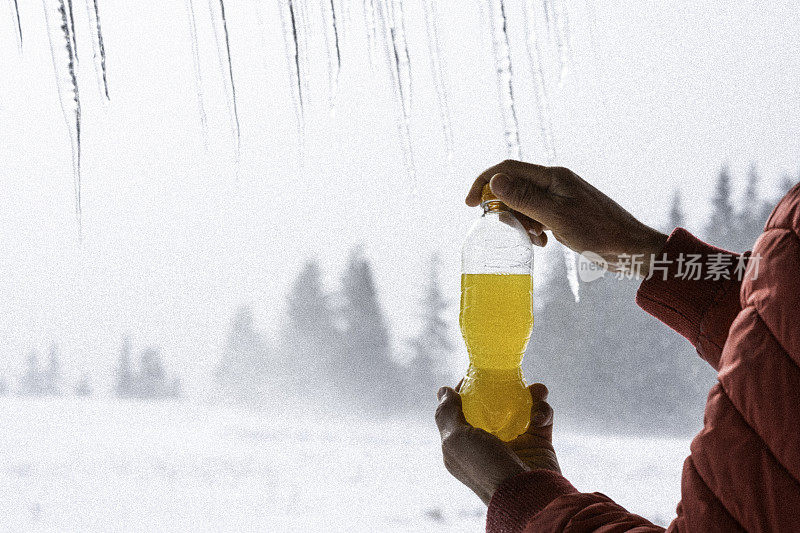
point(500, 184)
point(441, 392)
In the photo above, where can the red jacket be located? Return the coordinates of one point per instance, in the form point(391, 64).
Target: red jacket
point(743, 473)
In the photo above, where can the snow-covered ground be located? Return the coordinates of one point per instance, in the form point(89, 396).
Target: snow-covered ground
point(99, 465)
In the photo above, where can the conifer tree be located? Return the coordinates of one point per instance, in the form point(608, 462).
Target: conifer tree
point(676, 215)
point(244, 370)
point(432, 346)
point(51, 377)
point(31, 383)
point(311, 342)
point(84, 387)
point(366, 355)
point(722, 226)
point(124, 376)
point(751, 215)
point(151, 378)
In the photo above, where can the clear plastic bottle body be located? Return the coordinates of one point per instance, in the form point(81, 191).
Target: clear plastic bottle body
point(496, 322)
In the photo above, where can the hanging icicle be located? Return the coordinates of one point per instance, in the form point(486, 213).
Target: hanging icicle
point(334, 54)
point(560, 19)
point(230, 73)
point(303, 33)
point(401, 55)
point(396, 60)
point(226, 70)
point(198, 73)
point(505, 76)
point(570, 259)
point(437, 71)
point(334, 22)
point(72, 30)
point(67, 85)
point(99, 49)
point(370, 20)
point(15, 6)
point(536, 63)
point(292, 46)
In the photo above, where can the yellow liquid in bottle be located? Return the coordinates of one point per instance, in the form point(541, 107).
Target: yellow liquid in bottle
point(496, 321)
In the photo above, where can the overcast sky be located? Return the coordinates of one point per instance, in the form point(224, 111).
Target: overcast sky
point(176, 233)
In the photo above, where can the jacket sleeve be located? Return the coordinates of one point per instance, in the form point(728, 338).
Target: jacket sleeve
point(542, 501)
point(699, 302)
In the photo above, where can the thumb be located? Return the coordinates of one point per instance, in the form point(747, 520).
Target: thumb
point(523, 195)
point(449, 414)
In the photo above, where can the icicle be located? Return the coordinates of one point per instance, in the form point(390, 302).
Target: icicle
point(19, 25)
point(547, 7)
point(535, 61)
point(505, 76)
point(572, 273)
point(292, 46)
point(402, 58)
point(227, 73)
point(393, 61)
point(70, 101)
point(98, 47)
point(370, 19)
point(303, 28)
point(198, 74)
point(330, 53)
point(592, 16)
point(230, 73)
point(561, 23)
point(438, 70)
point(336, 38)
point(333, 73)
point(72, 30)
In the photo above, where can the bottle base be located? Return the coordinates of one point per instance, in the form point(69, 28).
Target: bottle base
point(497, 401)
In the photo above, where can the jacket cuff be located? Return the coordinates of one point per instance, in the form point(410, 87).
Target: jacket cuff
point(680, 294)
point(521, 497)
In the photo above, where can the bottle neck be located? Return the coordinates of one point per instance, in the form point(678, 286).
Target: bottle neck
point(494, 206)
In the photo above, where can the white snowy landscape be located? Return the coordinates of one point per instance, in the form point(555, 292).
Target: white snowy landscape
point(71, 464)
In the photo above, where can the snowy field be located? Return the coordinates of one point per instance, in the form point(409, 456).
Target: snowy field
point(98, 465)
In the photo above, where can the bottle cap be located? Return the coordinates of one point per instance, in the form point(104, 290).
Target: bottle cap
point(487, 195)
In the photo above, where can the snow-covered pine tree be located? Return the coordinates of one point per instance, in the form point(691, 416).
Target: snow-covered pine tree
point(676, 215)
point(151, 378)
point(83, 388)
point(371, 375)
point(51, 377)
point(311, 344)
point(244, 367)
point(722, 227)
point(123, 373)
point(31, 384)
point(431, 347)
point(751, 217)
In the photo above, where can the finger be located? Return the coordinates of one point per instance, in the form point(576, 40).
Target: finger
point(526, 196)
point(538, 392)
point(539, 240)
point(534, 228)
point(536, 172)
point(541, 415)
point(449, 415)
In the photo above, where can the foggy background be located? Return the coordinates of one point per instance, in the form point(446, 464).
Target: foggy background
point(308, 269)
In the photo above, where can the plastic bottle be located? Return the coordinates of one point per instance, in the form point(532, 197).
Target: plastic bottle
point(496, 320)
